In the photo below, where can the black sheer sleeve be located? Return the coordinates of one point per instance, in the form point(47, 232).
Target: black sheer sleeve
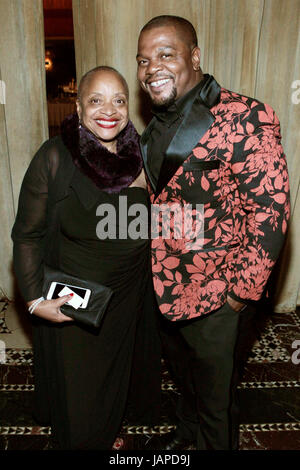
point(30, 228)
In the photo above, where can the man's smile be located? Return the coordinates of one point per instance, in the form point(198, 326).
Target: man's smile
point(159, 83)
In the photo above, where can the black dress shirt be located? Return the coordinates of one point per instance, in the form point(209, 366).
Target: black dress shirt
point(166, 124)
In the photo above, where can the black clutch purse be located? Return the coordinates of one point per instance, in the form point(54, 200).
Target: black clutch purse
point(95, 296)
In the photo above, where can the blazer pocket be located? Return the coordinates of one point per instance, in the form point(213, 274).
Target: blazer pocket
point(201, 166)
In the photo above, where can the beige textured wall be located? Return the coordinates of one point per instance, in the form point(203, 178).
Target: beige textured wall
point(23, 119)
point(250, 46)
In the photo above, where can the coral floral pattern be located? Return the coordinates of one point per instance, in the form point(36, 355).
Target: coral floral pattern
point(245, 213)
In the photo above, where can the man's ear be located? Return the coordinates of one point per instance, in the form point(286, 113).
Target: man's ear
point(196, 54)
point(78, 108)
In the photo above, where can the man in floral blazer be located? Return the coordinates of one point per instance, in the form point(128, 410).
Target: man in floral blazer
point(217, 154)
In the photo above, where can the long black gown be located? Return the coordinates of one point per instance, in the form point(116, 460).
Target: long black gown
point(87, 373)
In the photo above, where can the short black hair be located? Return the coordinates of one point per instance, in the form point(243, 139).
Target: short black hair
point(100, 68)
point(186, 29)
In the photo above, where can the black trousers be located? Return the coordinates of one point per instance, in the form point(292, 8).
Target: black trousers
point(202, 354)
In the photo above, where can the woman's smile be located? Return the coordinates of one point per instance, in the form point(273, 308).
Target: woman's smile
point(107, 123)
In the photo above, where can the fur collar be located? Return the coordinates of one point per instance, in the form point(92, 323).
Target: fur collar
point(111, 172)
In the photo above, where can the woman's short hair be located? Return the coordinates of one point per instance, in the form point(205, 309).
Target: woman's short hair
point(100, 68)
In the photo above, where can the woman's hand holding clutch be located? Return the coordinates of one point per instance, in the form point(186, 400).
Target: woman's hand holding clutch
point(50, 309)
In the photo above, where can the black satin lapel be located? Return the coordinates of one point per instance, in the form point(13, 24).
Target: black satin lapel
point(210, 92)
point(189, 133)
point(144, 150)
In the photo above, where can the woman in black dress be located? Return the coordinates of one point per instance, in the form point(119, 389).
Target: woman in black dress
point(85, 377)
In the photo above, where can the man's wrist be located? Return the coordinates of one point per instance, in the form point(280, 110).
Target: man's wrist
point(236, 304)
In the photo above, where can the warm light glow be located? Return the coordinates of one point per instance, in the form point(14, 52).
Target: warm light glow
point(48, 60)
point(48, 63)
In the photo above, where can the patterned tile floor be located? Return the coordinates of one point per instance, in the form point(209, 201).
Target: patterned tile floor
point(268, 391)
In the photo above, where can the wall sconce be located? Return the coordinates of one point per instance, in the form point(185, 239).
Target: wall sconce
point(48, 60)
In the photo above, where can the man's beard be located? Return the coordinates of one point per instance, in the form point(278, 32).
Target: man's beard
point(165, 102)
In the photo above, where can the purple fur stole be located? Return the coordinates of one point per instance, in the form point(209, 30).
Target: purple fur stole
point(111, 172)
